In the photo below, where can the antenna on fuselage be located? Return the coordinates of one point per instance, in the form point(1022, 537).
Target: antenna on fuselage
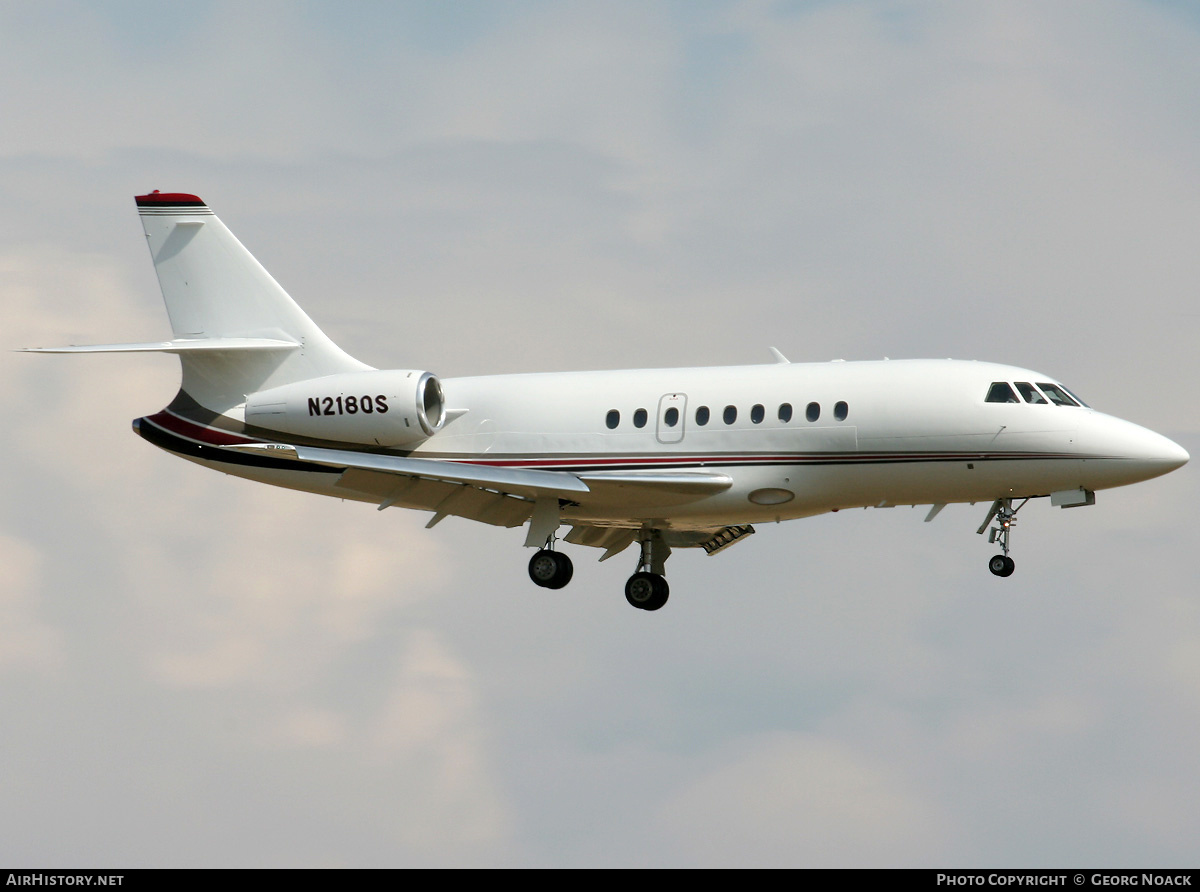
point(779, 357)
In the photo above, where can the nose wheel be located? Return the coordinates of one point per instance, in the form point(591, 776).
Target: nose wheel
point(1005, 515)
point(1002, 565)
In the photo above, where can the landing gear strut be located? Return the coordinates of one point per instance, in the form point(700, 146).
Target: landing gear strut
point(647, 589)
point(1005, 516)
point(549, 568)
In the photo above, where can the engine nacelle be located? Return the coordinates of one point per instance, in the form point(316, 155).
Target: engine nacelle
point(375, 408)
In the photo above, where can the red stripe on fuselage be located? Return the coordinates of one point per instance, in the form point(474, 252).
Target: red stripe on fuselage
point(210, 436)
point(793, 458)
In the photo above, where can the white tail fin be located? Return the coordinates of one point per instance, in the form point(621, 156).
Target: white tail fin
point(235, 324)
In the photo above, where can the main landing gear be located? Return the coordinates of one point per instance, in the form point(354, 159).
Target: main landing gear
point(1005, 516)
point(646, 589)
point(550, 569)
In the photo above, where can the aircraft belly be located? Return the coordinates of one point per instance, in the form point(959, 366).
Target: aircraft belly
point(762, 495)
point(930, 482)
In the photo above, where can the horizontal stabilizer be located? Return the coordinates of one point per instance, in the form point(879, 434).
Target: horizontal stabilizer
point(179, 345)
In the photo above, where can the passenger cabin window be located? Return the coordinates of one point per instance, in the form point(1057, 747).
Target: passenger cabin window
point(730, 414)
point(1001, 392)
point(757, 414)
point(612, 419)
point(1029, 392)
point(1057, 395)
point(702, 416)
point(671, 417)
point(785, 412)
point(813, 411)
point(639, 418)
point(840, 411)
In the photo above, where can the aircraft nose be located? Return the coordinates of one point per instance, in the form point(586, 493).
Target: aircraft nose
point(1144, 452)
point(1172, 455)
point(1156, 451)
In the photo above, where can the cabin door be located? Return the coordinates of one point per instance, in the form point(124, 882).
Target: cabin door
point(671, 416)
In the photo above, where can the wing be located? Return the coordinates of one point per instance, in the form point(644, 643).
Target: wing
point(502, 496)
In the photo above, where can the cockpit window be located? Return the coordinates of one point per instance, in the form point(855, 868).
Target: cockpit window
point(1001, 392)
point(1057, 395)
point(1029, 392)
point(1075, 397)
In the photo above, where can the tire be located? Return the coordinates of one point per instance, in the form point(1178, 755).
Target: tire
point(647, 591)
point(565, 570)
point(544, 568)
point(999, 565)
point(662, 591)
point(639, 590)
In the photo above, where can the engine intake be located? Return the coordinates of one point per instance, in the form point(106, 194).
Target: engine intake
point(376, 408)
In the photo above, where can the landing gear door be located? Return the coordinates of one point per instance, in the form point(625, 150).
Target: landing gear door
point(671, 417)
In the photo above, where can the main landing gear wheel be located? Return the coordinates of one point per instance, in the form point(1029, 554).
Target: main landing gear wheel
point(647, 591)
point(550, 569)
point(1002, 565)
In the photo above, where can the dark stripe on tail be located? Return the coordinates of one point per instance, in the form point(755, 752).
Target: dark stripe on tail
point(163, 439)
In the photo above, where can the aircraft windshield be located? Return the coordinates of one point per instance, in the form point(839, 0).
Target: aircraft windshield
point(1029, 392)
point(1075, 397)
point(1058, 395)
point(1003, 392)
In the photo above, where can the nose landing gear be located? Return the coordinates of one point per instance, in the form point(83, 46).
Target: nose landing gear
point(1005, 515)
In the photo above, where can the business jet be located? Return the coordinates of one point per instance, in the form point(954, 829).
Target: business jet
point(658, 458)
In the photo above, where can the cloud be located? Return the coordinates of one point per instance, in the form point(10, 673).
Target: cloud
point(802, 800)
point(27, 641)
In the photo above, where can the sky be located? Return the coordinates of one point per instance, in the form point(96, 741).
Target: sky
point(200, 671)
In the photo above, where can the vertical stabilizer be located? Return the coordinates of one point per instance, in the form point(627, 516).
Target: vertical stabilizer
point(215, 290)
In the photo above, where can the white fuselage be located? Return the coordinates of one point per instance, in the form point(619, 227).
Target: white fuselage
point(887, 433)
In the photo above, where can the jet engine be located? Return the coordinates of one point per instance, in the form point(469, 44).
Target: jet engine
point(375, 408)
